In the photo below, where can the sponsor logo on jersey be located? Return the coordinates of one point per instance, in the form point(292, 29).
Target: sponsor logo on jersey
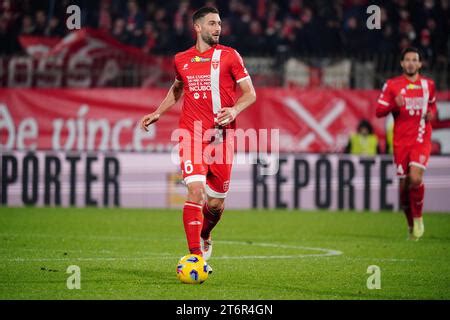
point(414, 105)
point(200, 59)
point(413, 87)
point(199, 82)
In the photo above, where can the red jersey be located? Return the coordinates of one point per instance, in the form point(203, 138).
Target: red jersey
point(410, 126)
point(209, 79)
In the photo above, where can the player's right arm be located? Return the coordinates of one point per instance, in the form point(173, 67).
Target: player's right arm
point(388, 101)
point(173, 95)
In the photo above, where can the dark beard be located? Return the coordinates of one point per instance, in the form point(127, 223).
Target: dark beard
point(410, 74)
point(209, 40)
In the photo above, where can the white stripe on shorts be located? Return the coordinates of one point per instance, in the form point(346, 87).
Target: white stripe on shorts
point(214, 194)
point(195, 178)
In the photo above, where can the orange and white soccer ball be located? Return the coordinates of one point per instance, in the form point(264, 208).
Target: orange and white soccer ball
point(192, 269)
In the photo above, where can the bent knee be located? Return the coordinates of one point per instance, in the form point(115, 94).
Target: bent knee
point(415, 181)
point(215, 205)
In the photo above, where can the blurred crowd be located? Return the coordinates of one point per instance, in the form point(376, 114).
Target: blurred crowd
point(254, 27)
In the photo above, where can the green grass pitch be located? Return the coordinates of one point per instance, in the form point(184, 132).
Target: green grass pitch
point(132, 254)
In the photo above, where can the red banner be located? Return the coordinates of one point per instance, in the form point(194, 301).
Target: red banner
point(83, 59)
point(316, 120)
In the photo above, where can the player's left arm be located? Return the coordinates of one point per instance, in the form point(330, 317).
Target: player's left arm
point(227, 115)
point(432, 113)
point(241, 76)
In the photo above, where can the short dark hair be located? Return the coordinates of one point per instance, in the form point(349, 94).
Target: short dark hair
point(410, 49)
point(200, 13)
point(365, 124)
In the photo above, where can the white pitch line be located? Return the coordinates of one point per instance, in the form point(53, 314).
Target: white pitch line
point(77, 236)
point(86, 259)
point(380, 259)
point(326, 253)
point(272, 257)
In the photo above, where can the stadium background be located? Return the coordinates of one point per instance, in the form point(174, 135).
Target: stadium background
point(70, 102)
point(312, 62)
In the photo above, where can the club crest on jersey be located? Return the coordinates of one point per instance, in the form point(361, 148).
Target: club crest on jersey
point(226, 185)
point(215, 64)
point(422, 159)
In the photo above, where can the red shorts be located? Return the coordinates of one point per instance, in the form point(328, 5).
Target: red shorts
point(210, 163)
point(415, 155)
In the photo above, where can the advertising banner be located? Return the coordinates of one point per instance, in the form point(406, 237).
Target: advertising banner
point(315, 120)
point(153, 180)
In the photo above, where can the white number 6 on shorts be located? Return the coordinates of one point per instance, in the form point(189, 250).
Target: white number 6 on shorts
point(188, 167)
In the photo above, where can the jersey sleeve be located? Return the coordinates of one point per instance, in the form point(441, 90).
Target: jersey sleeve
point(385, 102)
point(238, 69)
point(432, 108)
point(177, 74)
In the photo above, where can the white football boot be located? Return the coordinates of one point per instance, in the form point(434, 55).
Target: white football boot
point(418, 228)
point(411, 235)
point(206, 246)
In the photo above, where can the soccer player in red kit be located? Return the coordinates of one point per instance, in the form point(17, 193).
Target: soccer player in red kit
point(411, 100)
point(207, 74)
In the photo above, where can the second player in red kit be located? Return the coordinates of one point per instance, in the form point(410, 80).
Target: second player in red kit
point(411, 99)
point(207, 75)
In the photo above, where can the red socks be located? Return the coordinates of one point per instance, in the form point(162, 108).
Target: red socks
point(411, 201)
point(416, 196)
point(193, 221)
point(404, 204)
point(197, 223)
point(210, 220)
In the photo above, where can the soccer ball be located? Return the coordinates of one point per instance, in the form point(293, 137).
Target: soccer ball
point(192, 269)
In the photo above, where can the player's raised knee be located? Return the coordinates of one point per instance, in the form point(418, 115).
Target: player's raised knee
point(215, 205)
